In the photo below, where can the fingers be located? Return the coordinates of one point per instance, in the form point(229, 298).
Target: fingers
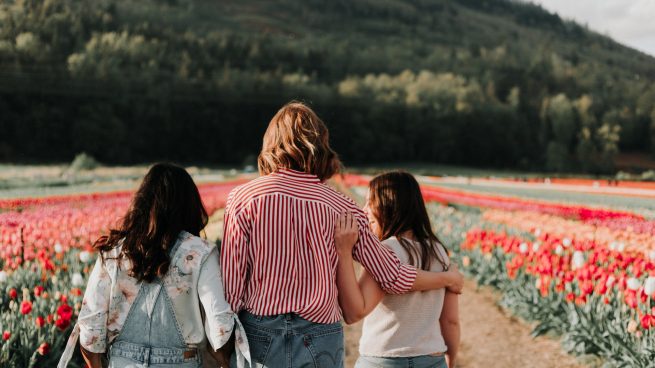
point(346, 221)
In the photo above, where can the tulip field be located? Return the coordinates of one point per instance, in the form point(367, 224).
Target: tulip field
point(586, 274)
point(582, 272)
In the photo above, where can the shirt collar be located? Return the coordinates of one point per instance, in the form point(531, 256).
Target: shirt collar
point(298, 175)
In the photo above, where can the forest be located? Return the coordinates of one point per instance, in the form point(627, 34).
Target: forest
point(494, 83)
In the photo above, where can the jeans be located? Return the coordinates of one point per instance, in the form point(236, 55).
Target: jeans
point(423, 361)
point(290, 341)
point(151, 336)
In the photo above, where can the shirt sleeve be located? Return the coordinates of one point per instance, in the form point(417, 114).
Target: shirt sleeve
point(92, 320)
point(236, 236)
point(219, 318)
point(381, 262)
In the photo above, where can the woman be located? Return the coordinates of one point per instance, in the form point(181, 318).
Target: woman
point(278, 256)
point(419, 329)
point(155, 296)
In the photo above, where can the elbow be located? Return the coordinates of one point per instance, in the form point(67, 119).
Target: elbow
point(450, 323)
point(351, 318)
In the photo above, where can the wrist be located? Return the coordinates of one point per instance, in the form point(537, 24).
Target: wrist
point(345, 255)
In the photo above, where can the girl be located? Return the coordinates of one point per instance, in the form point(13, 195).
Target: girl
point(155, 295)
point(419, 329)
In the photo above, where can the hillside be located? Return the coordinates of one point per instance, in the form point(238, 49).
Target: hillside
point(486, 83)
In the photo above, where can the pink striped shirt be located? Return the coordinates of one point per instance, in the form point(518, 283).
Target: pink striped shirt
point(278, 254)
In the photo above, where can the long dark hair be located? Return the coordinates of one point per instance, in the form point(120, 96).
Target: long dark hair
point(397, 204)
point(166, 203)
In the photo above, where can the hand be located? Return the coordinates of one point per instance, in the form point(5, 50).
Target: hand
point(456, 284)
point(346, 233)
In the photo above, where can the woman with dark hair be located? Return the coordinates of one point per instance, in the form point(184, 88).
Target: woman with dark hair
point(155, 296)
point(419, 329)
point(278, 255)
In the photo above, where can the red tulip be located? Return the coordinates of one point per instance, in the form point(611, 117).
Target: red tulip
point(647, 321)
point(38, 290)
point(43, 349)
point(25, 307)
point(62, 324)
point(40, 321)
point(65, 312)
point(6, 335)
point(13, 294)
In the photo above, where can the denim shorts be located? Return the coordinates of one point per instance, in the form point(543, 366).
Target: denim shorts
point(422, 361)
point(288, 340)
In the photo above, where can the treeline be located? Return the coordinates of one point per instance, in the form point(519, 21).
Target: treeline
point(494, 83)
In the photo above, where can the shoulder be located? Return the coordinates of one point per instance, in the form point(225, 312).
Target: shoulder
point(395, 246)
point(240, 196)
point(192, 245)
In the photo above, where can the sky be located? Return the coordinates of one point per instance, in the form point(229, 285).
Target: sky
point(630, 22)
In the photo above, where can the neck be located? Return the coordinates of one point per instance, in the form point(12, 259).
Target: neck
point(408, 235)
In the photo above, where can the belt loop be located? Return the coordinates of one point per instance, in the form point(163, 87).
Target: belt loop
point(146, 359)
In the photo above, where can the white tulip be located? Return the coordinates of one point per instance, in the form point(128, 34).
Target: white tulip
point(535, 246)
point(537, 232)
point(651, 255)
point(59, 248)
point(633, 283)
point(613, 245)
point(3, 277)
point(649, 286)
point(85, 256)
point(620, 247)
point(578, 260)
point(77, 279)
point(610, 281)
point(566, 242)
point(559, 250)
point(523, 248)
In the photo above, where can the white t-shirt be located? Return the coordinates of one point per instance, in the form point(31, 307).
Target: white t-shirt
point(405, 325)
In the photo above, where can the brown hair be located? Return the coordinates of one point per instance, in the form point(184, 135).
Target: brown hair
point(166, 203)
point(297, 139)
point(397, 204)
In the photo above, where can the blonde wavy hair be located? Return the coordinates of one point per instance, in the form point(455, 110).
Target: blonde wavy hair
point(297, 139)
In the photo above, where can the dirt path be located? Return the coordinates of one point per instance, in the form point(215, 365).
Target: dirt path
point(490, 338)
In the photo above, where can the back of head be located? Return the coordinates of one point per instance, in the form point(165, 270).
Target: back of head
point(166, 203)
point(398, 206)
point(297, 139)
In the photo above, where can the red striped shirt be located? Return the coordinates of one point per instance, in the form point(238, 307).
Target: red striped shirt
point(278, 254)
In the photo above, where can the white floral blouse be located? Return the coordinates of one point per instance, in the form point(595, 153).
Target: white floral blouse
point(194, 279)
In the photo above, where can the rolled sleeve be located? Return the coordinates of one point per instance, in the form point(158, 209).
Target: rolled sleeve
point(385, 267)
point(92, 320)
point(219, 318)
point(234, 258)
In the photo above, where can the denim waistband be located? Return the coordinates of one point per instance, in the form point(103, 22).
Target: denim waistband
point(154, 355)
point(287, 323)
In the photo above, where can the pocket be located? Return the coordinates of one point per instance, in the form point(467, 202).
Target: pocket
point(430, 361)
point(259, 346)
point(325, 345)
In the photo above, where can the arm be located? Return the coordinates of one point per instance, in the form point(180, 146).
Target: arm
point(392, 276)
point(452, 280)
point(219, 318)
point(92, 360)
point(357, 299)
point(234, 265)
point(450, 328)
point(92, 319)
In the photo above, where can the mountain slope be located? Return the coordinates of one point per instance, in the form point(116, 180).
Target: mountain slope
point(449, 81)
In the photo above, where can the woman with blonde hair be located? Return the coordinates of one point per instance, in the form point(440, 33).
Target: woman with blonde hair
point(278, 255)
